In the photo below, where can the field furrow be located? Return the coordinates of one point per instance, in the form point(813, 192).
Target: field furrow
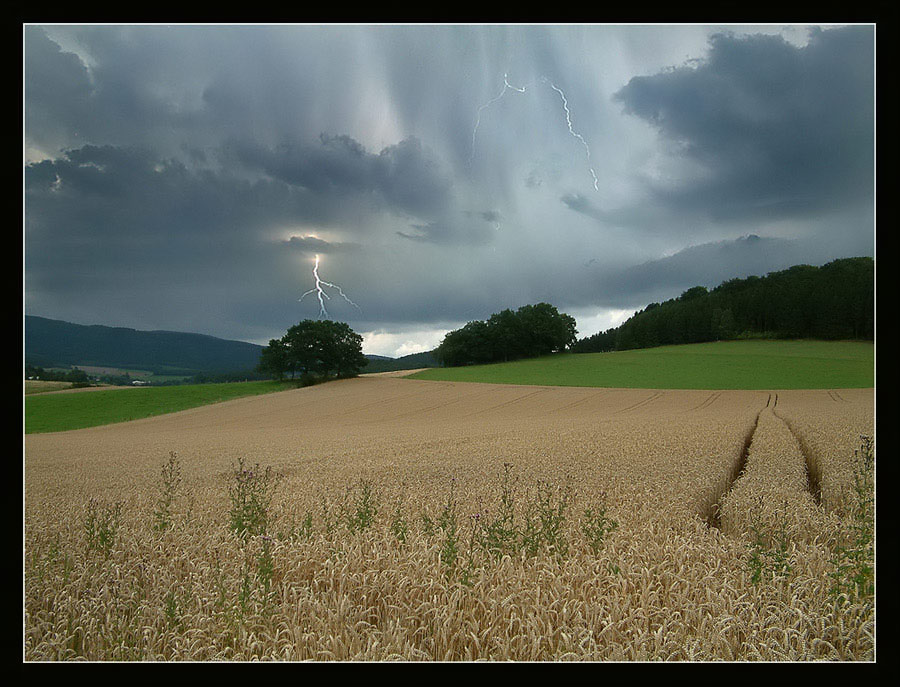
point(773, 484)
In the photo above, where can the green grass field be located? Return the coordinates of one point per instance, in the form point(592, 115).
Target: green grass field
point(720, 365)
point(61, 412)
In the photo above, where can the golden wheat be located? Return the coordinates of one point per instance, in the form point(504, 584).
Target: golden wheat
point(828, 425)
point(670, 582)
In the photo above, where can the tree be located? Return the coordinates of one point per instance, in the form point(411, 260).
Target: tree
point(722, 325)
point(530, 331)
point(544, 329)
point(273, 359)
point(508, 335)
point(467, 346)
point(834, 301)
point(692, 293)
point(315, 347)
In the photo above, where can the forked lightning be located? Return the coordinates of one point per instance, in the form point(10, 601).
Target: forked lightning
point(508, 87)
point(320, 292)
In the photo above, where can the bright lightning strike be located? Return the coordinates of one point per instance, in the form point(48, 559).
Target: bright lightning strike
point(575, 133)
point(509, 87)
point(320, 292)
point(506, 87)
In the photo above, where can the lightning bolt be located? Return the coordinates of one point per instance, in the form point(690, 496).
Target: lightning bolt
point(509, 87)
point(320, 292)
point(573, 132)
point(506, 87)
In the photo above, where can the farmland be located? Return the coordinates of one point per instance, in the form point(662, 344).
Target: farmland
point(61, 412)
point(37, 386)
point(382, 518)
point(763, 364)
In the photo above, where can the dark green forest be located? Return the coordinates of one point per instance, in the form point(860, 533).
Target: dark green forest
point(834, 301)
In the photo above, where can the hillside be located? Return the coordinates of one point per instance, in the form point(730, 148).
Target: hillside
point(57, 343)
point(797, 364)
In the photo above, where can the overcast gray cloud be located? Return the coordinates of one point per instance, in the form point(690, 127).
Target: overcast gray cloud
point(402, 176)
point(707, 264)
point(185, 177)
point(776, 130)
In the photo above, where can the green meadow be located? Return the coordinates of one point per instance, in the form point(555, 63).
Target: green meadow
point(61, 412)
point(721, 365)
point(759, 364)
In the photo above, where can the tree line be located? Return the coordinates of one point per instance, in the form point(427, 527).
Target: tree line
point(530, 331)
point(834, 301)
point(74, 375)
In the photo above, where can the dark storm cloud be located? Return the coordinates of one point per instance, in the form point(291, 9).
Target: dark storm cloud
point(182, 177)
point(490, 216)
point(459, 231)
point(108, 226)
point(776, 130)
point(103, 217)
point(339, 163)
point(651, 217)
point(405, 177)
point(58, 87)
point(107, 191)
point(121, 98)
point(579, 203)
point(412, 179)
point(465, 228)
point(313, 245)
point(117, 235)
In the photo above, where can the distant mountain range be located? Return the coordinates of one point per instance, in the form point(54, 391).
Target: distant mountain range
point(55, 343)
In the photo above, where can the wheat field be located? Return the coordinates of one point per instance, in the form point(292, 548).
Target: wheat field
point(381, 519)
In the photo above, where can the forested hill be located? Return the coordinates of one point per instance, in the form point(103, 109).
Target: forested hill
point(57, 343)
point(834, 301)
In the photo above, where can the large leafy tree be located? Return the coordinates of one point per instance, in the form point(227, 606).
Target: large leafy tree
point(544, 330)
point(530, 331)
point(319, 347)
point(273, 359)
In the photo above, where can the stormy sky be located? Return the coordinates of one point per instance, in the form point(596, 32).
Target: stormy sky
point(186, 177)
